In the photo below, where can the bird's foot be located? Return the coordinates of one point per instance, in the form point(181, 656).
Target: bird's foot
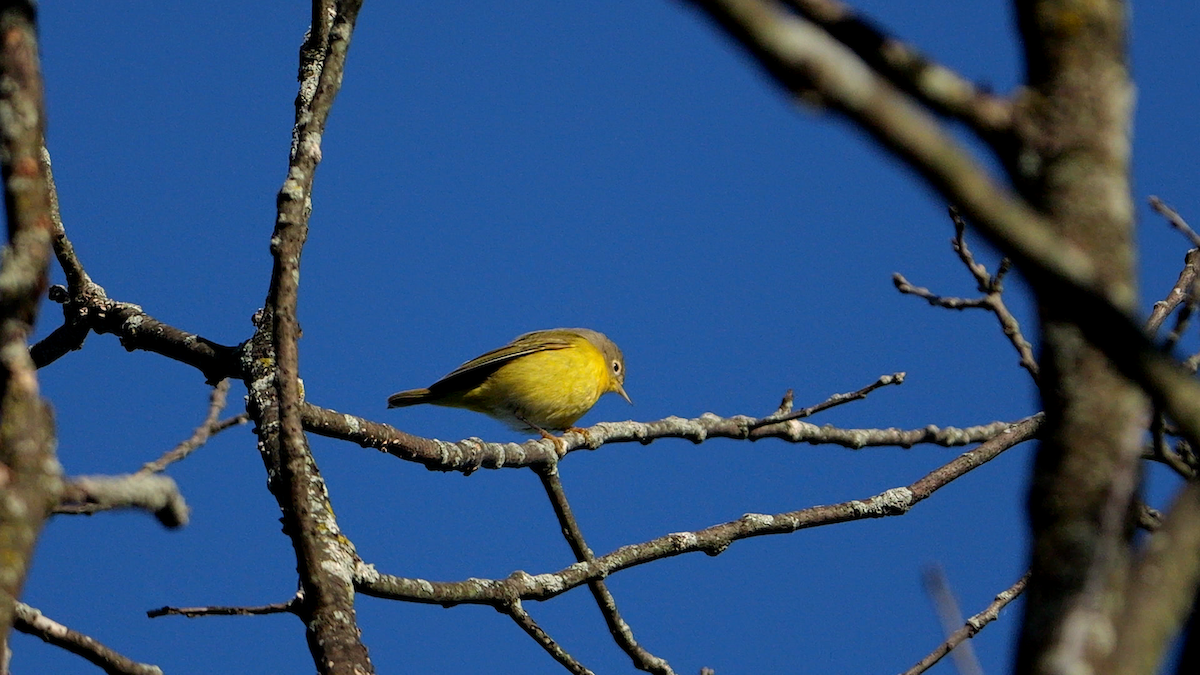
point(560, 448)
point(587, 437)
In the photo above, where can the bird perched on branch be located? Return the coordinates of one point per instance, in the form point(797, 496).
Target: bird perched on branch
point(545, 380)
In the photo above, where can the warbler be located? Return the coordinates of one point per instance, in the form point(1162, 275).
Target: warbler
point(544, 380)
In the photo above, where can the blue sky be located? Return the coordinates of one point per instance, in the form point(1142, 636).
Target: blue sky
point(491, 169)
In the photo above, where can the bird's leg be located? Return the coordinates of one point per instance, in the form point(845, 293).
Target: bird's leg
point(560, 448)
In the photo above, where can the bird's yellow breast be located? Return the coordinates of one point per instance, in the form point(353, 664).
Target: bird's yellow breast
point(550, 389)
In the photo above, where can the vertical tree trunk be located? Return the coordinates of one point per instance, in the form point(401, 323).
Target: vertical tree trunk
point(1072, 162)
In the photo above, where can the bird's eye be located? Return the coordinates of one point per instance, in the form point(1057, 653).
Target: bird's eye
point(616, 367)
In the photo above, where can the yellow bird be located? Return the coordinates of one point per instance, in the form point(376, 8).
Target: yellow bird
point(543, 380)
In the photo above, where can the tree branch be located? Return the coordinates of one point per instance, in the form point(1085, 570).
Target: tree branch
point(86, 307)
point(1162, 590)
point(150, 492)
point(472, 454)
point(972, 627)
point(92, 309)
point(992, 300)
point(78, 280)
point(802, 57)
point(1185, 285)
point(931, 83)
point(785, 412)
point(1077, 148)
point(946, 606)
point(519, 616)
point(290, 607)
point(711, 541)
point(29, 470)
point(1176, 221)
point(32, 622)
point(623, 635)
point(212, 425)
point(270, 364)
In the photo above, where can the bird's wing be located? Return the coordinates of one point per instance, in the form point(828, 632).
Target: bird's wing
point(474, 371)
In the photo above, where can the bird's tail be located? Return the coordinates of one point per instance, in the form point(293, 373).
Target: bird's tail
point(410, 397)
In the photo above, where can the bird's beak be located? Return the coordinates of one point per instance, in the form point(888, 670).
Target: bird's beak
point(621, 390)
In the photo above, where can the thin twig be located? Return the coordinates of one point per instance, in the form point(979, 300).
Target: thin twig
point(532, 629)
point(32, 622)
point(145, 489)
point(992, 300)
point(1184, 290)
point(1182, 294)
point(71, 335)
point(784, 415)
point(938, 588)
point(972, 626)
point(947, 302)
point(1003, 269)
point(1181, 322)
point(642, 659)
point(1179, 293)
point(1160, 451)
point(290, 607)
point(1149, 519)
point(78, 280)
point(984, 281)
point(1175, 220)
point(211, 425)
